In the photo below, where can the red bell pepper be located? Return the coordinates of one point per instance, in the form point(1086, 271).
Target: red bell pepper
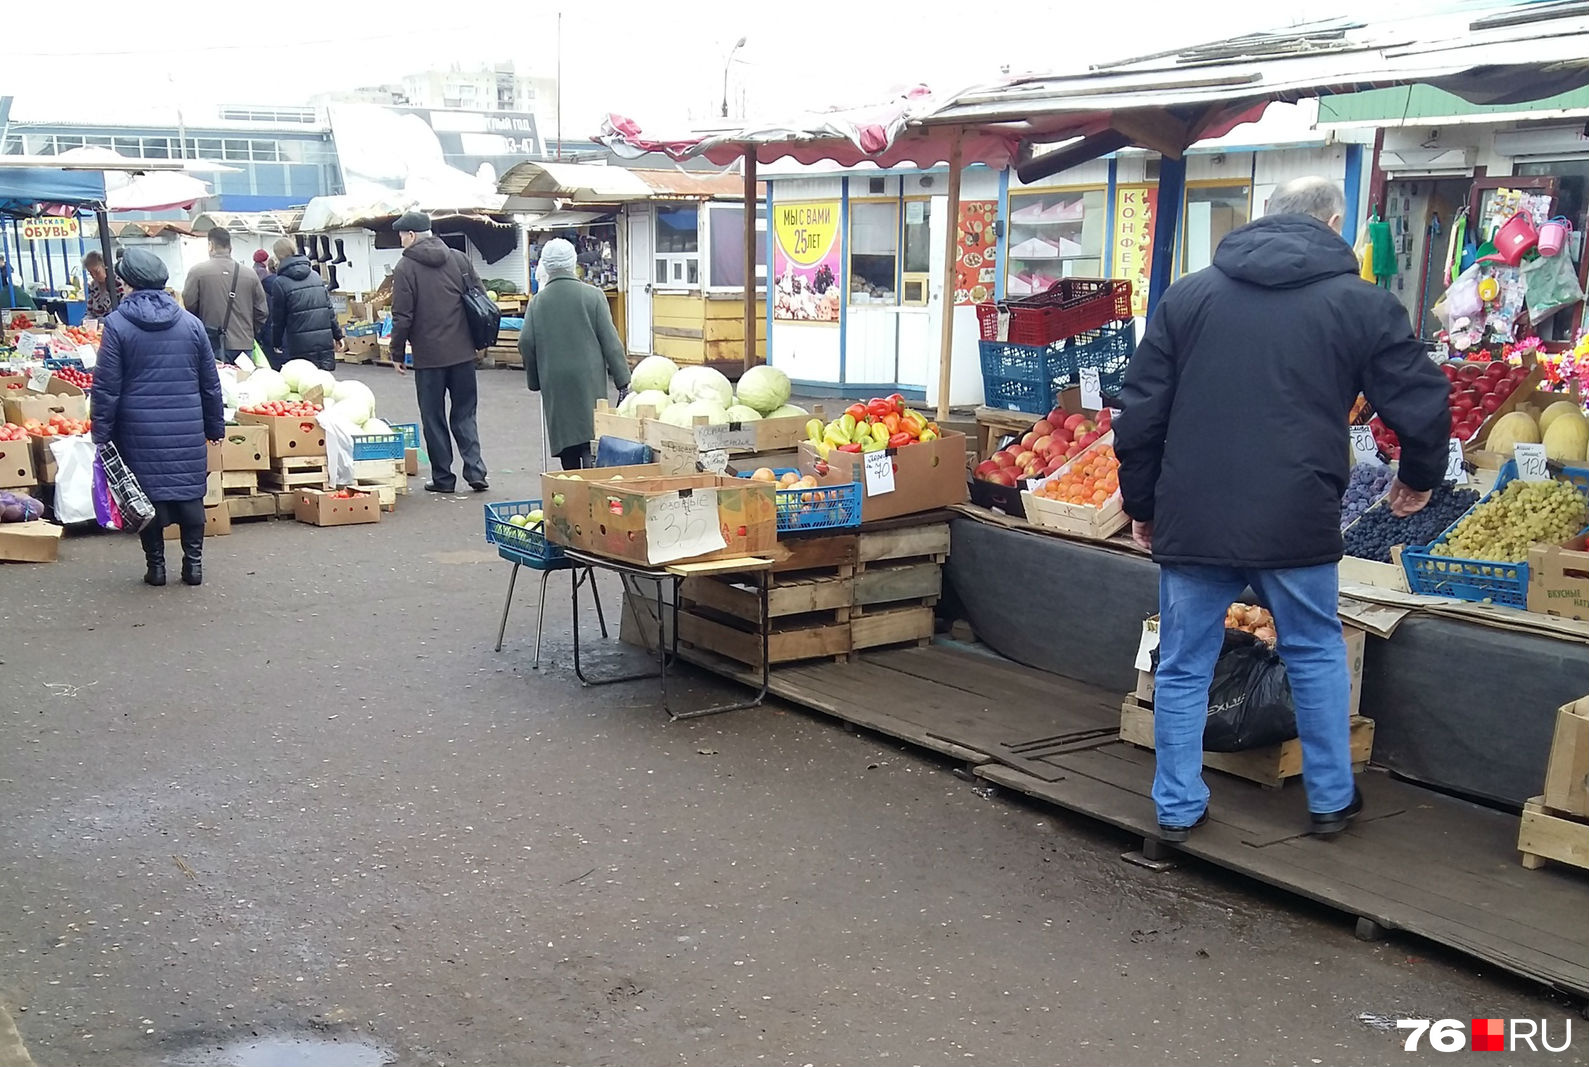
point(857, 412)
point(877, 407)
point(898, 400)
point(849, 448)
point(901, 439)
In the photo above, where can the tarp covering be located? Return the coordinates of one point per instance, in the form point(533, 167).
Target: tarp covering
point(597, 183)
point(21, 188)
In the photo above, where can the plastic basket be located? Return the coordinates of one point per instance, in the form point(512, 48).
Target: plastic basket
point(522, 544)
point(377, 446)
point(1024, 377)
point(1478, 580)
point(410, 432)
point(830, 507)
point(64, 363)
point(1108, 350)
point(1070, 306)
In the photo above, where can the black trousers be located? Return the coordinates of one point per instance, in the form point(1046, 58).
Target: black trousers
point(433, 386)
point(189, 518)
point(575, 457)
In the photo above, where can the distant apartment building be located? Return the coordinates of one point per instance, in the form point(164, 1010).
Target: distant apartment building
point(495, 88)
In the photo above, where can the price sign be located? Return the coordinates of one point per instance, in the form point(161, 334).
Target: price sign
point(1530, 462)
point(1091, 389)
point(26, 343)
point(40, 381)
point(681, 525)
point(1455, 472)
point(879, 472)
point(732, 435)
point(715, 461)
point(1363, 446)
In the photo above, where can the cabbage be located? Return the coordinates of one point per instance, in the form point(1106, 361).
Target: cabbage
point(314, 377)
point(653, 373)
point(648, 398)
point(788, 411)
point(349, 388)
point(356, 409)
point(292, 373)
point(293, 398)
point(741, 413)
point(701, 383)
point(261, 386)
point(764, 388)
point(374, 425)
point(685, 414)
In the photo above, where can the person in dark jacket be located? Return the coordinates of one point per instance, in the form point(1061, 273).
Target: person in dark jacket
point(428, 284)
point(302, 322)
point(267, 281)
point(157, 397)
point(1233, 447)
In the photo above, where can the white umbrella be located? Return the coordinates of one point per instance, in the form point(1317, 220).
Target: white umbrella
point(157, 191)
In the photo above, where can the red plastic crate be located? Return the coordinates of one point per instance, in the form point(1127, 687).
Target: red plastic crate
point(1069, 307)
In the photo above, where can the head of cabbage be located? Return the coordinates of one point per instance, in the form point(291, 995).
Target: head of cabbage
point(653, 373)
point(741, 413)
point(684, 414)
point(701, 383)
point(787, 411)
point(764, 388)
point(655, 399)
point(292, 373)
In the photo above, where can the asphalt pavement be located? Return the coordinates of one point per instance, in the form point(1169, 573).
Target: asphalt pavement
point(308, 802)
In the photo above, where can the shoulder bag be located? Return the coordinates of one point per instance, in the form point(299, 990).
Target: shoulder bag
point(218, 337)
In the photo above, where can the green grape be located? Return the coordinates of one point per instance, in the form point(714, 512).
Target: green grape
point(1521, 515)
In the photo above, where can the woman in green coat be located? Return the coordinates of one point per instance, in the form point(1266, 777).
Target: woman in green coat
point(570, 349)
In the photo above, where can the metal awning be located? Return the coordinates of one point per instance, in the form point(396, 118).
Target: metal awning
point(564, 220)
point(597, 183)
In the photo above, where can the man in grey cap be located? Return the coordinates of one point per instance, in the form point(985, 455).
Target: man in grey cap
point(428, 284)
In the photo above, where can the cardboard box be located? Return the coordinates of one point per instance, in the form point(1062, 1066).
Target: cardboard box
point(16, 465)
point(411, 462)
point(615, 518)
point(1558, 582)
point(217, 523)
point(320, 507)
point(44, 466)
point(927, 475)
point(245, 448)
point(213, 494)
point(1567, 773)
point(289, 437)
point(30, 542)
point(59, 398)
point(212, 457)
point(360, 349)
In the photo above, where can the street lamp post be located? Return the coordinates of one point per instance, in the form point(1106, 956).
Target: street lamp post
point(726, 64)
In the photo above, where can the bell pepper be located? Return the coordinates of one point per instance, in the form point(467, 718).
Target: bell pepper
point(900, 440)
point(814, 430)
point(848, 421)
point(928, 435)
point(879, 433)
point(898, 400)
point(873, 445)
point(891, 420)
point(824, 449)
point(856, 412)
point(850, 448)
point(877, 407)
point(912, 422)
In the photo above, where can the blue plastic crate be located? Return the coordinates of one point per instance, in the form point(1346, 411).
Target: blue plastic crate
point(361, 329)
point(1478, 580)
point(831, 507)
point(64, 363)
point(521, 544)
point(1024, 377)
point(377, 446)
point(410, 432)
point(1107, 350)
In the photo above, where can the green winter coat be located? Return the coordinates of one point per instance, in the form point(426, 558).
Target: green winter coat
point(570, 348)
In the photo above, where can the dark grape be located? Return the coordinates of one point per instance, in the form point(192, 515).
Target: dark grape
point(1373, 535)
point(1368, 483)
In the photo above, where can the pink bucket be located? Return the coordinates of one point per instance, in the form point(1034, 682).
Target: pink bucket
point(1553, 235)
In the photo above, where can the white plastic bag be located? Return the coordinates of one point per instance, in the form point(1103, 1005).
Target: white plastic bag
point(339, 447)
point(74, 479)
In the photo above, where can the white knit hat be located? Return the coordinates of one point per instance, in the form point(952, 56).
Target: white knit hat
point(558, 256)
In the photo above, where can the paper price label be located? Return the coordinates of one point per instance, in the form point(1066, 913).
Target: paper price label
point(1363, 446)
point(879, 472)
point(715, 461)
point(683, 524)
point(1091, 389)
point(1455, 473)
point(733, 435)
point(40, 380)
point(1531, 465)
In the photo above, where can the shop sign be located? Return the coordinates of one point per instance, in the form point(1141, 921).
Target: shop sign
point(806, 261)
point(974, 252)
point(50, 228)
point(1136, 207)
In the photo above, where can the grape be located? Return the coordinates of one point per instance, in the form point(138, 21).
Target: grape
point(1373, 535)
point(1521, 515)
point(1368, 482)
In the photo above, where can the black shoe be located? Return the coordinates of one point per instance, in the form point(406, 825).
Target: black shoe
point(1177, 834)
point(156, 574)
point(1330, 823)
point(432, 487)
point(192, 555)
point(154, 557)
point(481, 486)
point(192, 573)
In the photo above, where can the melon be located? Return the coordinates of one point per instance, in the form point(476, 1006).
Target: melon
point(1567, 439)
point(1509, 429)
point(1556, 411)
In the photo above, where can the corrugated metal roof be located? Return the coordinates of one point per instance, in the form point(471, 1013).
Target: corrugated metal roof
point(276, 222)
point(595, 183)
point(1419, 104)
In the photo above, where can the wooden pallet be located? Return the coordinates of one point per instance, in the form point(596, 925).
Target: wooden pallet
point(1269, 767)
point(246, 506)
point(381, 473)
point(1545, 835)
point(294, 473)
point(286, 504)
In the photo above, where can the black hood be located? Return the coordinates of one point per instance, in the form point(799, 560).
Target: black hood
point(295, 267)
point(150, 309)
point(429, 251)
point(1284, 252)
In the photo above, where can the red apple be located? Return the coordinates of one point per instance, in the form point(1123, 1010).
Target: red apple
point(1491, 403)
point(1071, 450)
point(1088, 438)
point(1504, 388)
point(1470, 371)
point(1033, 469)
point(1025, 458)
point(1450, 371)
point(1461, 405)
point(1062, 435)
point(1002, 476)
point(1073, 421)
point(1496, 370)
point(1105, 420)
point(1027, 441)
point(1053, 465)
point(1004, 459)
point(1517, 374)
point(1042, 427)
point(1085, 426)
point(985, 468)
point(1056, 417)
point(1041, 445)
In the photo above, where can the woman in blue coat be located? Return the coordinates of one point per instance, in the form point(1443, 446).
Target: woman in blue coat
point(157, 396)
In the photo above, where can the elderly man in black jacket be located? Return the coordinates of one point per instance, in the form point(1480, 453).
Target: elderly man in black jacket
point(1234, 447)
point(302, 322)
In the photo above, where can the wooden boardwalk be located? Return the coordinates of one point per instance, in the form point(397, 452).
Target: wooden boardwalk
point(1415, 861)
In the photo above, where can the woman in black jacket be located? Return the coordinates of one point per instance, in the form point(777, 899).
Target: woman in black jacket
point(302, 323)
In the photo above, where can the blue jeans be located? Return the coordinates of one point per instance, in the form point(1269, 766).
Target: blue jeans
point(1192, 604)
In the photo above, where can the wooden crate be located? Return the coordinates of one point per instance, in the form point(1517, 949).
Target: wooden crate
point(1269, 766)
point(1543, 835)
point(294, 473)
point(1077, 520)
point(1393, 576)
point(239, 483)
point(244, 506)
point(765, 435)
point(286, 503)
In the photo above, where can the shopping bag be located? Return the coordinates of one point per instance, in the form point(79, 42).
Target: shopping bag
point(1249, 701)
point(74, 479)
point(136, 510)
point(1552, 284)
point(339, 447)
point(105, 507)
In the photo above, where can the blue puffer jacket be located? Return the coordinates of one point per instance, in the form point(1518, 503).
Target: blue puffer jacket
point(157, 394)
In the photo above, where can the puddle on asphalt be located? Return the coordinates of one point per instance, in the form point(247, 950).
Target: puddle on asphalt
point(282, 1050)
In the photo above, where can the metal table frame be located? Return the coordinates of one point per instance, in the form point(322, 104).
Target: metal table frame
point(668, 644)
point(577, 577)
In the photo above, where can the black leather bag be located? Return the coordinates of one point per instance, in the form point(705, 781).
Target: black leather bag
point(480, 312)
point(218, 337)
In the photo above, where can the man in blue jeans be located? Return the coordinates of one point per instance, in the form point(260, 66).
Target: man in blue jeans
point(1234, 454)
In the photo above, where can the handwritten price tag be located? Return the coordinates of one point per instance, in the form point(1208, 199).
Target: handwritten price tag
point(682, 525)
point(732, 435)
point(40, 381)
point(1363, 446)
point(879, 472)
point(1455, 472)
point(1530, 462)
point(1091, 389)
point(715, 461)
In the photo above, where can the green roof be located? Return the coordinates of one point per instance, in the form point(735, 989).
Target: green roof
point(1425, 101)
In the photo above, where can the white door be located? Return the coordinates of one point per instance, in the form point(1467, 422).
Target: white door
point(637, 295)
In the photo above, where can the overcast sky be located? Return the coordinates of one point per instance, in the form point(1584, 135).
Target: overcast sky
point(656, 63)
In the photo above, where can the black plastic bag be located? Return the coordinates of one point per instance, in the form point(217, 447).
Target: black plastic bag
point(1249, 700)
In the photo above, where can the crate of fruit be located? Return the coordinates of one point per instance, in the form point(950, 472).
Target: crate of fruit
point(1504, 525)
point(1375, 538)
point(518, 529)
point(377, 446)
point(1082, 498)
point(804, 506)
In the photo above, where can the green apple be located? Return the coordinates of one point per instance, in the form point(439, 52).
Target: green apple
point(535, 517)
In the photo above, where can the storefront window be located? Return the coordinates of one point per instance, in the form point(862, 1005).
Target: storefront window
point(1572, 200)
point(1212, 211)
point(1053, 235)
point(678, 251)
point(727, 237)
point(874, 253)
